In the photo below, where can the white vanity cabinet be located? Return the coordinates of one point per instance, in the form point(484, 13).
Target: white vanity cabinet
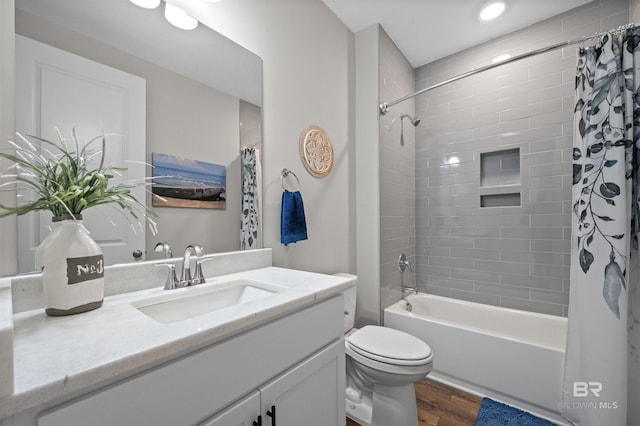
point(308, 394)
point(244, 413)
point(295, 363)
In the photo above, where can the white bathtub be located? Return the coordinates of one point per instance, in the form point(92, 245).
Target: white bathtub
point(509, 355)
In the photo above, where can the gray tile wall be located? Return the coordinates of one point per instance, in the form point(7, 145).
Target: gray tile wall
point(397, 172)
point(517, 257)
point(634, 11)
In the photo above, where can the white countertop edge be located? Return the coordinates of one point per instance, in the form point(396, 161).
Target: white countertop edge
point(307, 288)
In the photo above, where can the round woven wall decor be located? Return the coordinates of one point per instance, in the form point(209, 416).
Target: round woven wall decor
point(316, 151)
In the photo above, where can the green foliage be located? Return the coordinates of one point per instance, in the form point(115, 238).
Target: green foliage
point(67, 180)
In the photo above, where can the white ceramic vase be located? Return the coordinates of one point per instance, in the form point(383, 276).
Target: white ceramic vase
point(42, 248)
point(72, 268)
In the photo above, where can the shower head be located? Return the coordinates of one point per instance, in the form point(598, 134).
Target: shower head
point(414, 120)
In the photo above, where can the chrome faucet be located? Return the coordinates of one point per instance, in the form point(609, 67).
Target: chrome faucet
point(403, 264)
point(165, 247)
point(172, 281)
point(186, 279)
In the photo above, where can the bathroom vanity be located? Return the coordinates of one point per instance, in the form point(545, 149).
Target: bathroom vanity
point(272, 349)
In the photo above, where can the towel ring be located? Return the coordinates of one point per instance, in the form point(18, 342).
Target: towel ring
point(286, 172)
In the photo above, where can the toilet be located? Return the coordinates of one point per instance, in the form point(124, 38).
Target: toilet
point(382, 365)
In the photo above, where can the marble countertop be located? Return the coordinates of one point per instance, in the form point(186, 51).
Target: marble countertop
point(58, 357)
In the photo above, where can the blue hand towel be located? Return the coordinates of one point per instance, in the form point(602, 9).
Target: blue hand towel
point(293, 226)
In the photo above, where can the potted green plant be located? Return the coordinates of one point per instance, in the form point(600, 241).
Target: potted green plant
point(66, 180)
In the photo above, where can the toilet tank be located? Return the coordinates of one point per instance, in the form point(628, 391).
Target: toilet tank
point(349, 303)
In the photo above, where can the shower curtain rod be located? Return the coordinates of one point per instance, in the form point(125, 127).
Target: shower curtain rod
point(384, 106)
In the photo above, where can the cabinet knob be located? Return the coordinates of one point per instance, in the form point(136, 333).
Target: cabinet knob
point(272, 414)
point(258, 422)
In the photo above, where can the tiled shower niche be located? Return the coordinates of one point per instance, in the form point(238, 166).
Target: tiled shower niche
point(500, 178)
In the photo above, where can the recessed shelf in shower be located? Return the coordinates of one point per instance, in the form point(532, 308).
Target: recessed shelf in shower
point(500, 178)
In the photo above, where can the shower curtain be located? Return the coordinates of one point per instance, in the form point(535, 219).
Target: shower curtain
point(602, 342)
point(250, 233)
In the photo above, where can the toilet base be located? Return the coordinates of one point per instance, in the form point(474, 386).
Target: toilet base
point(386, 405)
point(359, 409)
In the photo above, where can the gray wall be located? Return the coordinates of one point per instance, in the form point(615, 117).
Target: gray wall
point(515, 257)
point(634, 11)
point(397, 171)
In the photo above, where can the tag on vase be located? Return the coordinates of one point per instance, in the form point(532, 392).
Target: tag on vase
point(80, 269)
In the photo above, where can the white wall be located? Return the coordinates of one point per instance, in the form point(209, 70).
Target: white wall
point(307, 70)
point(368, 175)
point(8, 225)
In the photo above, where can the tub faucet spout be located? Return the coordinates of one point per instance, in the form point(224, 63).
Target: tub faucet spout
point(407, 289)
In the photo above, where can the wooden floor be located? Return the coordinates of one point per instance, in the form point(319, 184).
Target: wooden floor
point(441, 405)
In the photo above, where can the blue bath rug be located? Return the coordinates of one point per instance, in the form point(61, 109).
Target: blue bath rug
point(494, 413)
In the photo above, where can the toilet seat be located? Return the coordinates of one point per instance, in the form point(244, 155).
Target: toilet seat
point(389, 346)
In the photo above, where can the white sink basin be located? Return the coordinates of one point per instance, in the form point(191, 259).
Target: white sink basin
point(178, 305)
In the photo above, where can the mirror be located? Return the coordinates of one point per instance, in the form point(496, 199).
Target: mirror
point(203, 97)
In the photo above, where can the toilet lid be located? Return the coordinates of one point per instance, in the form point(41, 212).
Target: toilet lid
point(389, 345)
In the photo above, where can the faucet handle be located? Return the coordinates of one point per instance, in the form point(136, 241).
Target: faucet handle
point(172, 280)
point(198, 250)
point(199, 276)
point(403, 263)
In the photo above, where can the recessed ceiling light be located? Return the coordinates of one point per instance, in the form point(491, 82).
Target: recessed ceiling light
point(492, 10)
point(501, 58)
point(453, 160)
point(147, 4)
point(179, 18)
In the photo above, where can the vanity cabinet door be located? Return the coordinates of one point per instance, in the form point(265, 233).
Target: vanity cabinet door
point(310, 394)
point(243, 413)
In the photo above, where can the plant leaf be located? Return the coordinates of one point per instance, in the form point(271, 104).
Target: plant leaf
point(596, 147)
point(577, 173)
point(609, 190)
point(576, 152)
point(614, 281)
point(586, 259)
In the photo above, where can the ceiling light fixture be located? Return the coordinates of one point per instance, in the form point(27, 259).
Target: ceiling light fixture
point(178, 17)
point(147, 4)
point(492, 11)
point(501, 58)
